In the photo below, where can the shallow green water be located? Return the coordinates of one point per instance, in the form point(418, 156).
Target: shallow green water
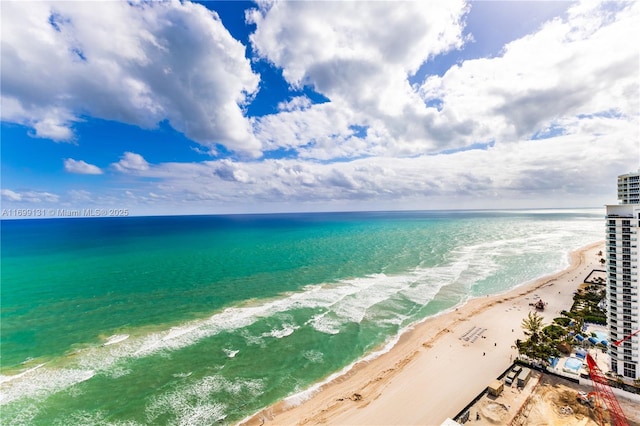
point(225, 315)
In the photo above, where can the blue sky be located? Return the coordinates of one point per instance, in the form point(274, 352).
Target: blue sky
point(242, 107)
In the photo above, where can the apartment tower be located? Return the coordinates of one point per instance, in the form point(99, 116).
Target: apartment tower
point(622, 225)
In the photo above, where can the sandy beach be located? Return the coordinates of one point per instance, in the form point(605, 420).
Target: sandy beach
point(440, 365)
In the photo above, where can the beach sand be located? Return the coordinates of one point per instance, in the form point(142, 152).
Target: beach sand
point(440, 365)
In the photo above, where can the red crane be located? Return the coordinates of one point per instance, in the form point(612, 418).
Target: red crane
point(603, 390)
point(601, 385)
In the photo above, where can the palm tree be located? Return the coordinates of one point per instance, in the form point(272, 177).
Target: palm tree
point(532, 326)
point(538, 346)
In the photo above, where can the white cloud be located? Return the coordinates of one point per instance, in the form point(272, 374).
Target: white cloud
point(299, 36)
point(559, 106)
point(53, 127)
point(321, 131)
point(10, 195)
point(138, 63)
point(29, 196)
point(575, 169)
point(568, 69)
point(81, 167)
point(131, 163)
point(80, 196)
point(298, 103)
point(578, 168)
point(360, 55)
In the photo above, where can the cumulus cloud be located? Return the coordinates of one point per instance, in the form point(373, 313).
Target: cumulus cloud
point(131, 163)
point(360, 55)
point(135, 62)
point(551, 119)
point(567, 69)
point(81, 167)
point(298, 36)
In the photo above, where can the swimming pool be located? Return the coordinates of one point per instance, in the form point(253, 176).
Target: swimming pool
point(572, 365)
point(601, 335)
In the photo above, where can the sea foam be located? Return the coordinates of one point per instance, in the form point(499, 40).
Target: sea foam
point(200, 402)
point(388, 300)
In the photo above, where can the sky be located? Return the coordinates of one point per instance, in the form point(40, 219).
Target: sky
point(255, 107)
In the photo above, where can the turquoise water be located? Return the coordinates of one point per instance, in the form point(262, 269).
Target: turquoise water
point(207, 319)
point(573, 364)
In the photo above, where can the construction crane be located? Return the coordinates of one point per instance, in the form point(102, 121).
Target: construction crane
point(603, 390)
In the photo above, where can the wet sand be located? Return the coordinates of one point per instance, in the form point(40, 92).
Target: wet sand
point(440, 365)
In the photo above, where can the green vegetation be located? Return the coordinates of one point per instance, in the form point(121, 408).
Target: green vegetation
point(554, 332)
point(532, 326)
point(562, 321)
point(546, 341)
point(585, 304)
point(539, 345)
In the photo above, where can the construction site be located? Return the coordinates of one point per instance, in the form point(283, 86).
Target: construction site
point(548, 400)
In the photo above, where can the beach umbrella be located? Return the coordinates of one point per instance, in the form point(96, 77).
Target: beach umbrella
point(604, 342)
point(593, 340)
point(579, 337)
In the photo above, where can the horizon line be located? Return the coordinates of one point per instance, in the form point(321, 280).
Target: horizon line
point(55, 213)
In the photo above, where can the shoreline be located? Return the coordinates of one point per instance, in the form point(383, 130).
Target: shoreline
point(432, 372)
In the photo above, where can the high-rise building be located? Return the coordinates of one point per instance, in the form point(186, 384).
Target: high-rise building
point(629, 188)
point(622, 225)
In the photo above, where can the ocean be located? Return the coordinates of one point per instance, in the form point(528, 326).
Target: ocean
point(200, 320)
